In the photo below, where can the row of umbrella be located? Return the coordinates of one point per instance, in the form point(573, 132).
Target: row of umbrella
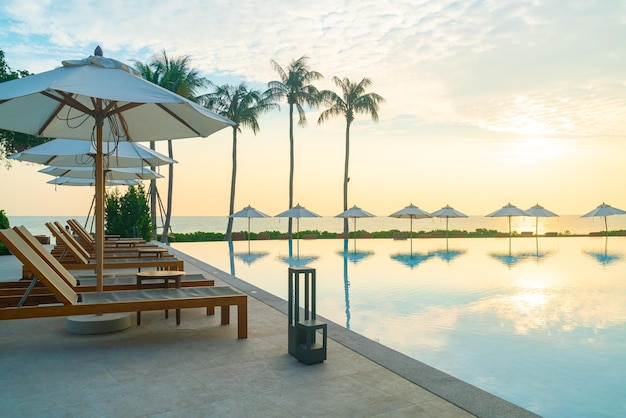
point(413, 212)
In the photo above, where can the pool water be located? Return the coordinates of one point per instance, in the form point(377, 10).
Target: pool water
point(539, 322)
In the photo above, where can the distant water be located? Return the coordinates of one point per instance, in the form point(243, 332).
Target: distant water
point(573, 224)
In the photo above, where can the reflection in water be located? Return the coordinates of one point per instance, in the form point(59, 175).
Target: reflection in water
point(298, 260)
point(512, 259)
point(605, 257)
point(354, 257)
point(449, 255)
point(251, 257)
point(411, 260)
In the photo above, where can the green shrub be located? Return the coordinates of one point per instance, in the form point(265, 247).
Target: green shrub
point(128, 215)
point(4, 224)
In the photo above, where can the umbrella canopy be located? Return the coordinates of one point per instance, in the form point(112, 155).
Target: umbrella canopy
point(70, 181)
point(100, 99)
point(448, 212)
point(131, 173)
point(604, 210)
point(509, 210)
point(77, 153)
point(355, 212)
point(298, 212)
point(540, 212)
point(249, 212)
point(411, 212)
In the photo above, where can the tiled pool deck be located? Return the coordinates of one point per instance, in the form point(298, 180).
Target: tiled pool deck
point(199, 368)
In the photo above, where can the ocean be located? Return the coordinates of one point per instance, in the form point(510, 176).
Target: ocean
point(567, 224)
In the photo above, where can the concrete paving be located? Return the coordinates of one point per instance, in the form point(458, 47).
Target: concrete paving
point(200, 368)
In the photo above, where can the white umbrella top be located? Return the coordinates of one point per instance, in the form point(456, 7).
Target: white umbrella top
point(249, 212)
point(138, 173)
point(77, 153)
point(448, 212)
point(133, 108)
point(509, 210)
point(70, 181)
point(355, 212)
point(298, 212)
point(412, 212)
point(604, 210)
point(541, 212)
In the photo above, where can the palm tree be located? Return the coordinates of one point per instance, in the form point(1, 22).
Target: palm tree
point(173, 74)
point(242, 106)
point(295, 85)
point(353, 100)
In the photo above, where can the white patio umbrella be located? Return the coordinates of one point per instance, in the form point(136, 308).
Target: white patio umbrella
point(298, 212)
point(539, 211)
point(604, 210)
point(72, 181)
point(448, 212)
point(355, 212)
point(411, 212)
point(129, 173)
point(249, 212)
point(509, 210)
point(78, 153)
point(101, 99)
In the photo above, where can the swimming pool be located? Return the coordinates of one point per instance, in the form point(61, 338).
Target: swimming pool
point(541, 323)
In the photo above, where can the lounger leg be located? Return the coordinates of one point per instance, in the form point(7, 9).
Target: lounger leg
point(242, 320)
point(138, 318)
point(177, 316)
point(210, 310)
point(225, 314)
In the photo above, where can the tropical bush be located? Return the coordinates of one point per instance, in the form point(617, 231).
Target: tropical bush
point(4, 224)
point(128, 215)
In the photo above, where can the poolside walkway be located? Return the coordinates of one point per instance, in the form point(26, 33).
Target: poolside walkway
point(200, 369)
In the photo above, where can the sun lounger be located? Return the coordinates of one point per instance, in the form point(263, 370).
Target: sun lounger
point(72, 303)
point(80, 262)
point(87, 241)
point(11, 293)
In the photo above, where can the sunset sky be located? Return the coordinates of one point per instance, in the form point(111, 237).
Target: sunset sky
point(486, 102)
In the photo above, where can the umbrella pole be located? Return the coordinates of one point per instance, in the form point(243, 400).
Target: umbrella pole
point(606, 228)
point(355, 233)
point(248, 235)
point(298, 235)
point(411, 236)
point(99, 209)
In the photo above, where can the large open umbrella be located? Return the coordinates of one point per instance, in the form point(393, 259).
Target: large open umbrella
point(411, 212)
point(71, 181)
point(128, 173)
point(77, 153)
point(539, 211)
point(355, 212)
point(249, 212)
point(101, 99)
point(298, 212)
point(448, 212)
point(604, 210)
point(509, 211)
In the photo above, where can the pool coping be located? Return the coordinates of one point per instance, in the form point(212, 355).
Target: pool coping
point(462, 394)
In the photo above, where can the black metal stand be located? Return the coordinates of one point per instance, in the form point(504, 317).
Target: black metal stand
point(303, 344)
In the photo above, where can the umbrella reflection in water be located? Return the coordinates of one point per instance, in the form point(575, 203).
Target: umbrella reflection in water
point(448, 255)
point(411, 260)
point(605, 257)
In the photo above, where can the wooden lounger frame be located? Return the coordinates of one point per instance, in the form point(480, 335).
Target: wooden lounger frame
point(82, 263)
point(207, 297)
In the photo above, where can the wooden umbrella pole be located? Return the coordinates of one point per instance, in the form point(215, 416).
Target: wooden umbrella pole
point(99, 209)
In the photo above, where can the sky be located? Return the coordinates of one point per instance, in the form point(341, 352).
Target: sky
point(486, 102)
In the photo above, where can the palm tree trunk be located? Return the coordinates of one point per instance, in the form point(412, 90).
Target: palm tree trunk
point(231, 209)
point(346, 179)
point(290, 222)
point(153, 200)
point(170, 187)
